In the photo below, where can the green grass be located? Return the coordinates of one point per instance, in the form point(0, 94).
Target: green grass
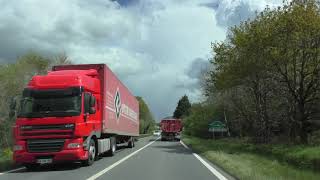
point(244, 162)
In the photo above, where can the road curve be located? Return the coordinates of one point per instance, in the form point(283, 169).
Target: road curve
point(149, 160)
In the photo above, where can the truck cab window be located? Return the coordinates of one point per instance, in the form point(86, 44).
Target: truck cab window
point(48, 103)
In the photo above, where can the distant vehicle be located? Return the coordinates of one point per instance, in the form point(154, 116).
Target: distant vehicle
point(157, 133)
point(170, 129)
point(74, 113)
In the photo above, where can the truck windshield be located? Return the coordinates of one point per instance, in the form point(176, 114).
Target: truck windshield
point(46, 103)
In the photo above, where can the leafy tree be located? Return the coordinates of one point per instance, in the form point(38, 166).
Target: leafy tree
point(196, 124)
point(147, 122)
point(294, 54)
point(268, 70)
point(182, 108)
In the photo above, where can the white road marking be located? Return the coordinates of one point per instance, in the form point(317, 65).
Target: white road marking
point(13, 170)
point(210, 168)
point(118, 162)
point(184, 145)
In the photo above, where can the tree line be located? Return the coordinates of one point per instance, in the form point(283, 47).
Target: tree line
point(264, 79)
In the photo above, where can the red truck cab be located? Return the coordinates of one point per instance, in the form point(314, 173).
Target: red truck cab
point(67, 115)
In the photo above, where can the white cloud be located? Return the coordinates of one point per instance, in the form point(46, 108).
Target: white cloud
point(151, 45)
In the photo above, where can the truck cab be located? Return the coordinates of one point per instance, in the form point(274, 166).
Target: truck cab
point(57, 113)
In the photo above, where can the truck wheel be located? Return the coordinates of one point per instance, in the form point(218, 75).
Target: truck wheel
point(32, 167)
point(113, 146)
point(91, 154)
point(131, 143)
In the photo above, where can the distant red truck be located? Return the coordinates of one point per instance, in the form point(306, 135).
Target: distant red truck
point(170, 129)
point(74, 113)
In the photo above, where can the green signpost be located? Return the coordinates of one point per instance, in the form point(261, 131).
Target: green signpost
point(217, 126)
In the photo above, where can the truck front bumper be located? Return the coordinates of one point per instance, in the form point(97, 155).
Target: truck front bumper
point(65, 155)
point(62, 156)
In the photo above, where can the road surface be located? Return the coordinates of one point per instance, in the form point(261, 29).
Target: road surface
point(149, 160)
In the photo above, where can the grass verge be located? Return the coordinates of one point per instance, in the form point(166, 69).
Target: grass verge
point(6, 162)
point(247, 165)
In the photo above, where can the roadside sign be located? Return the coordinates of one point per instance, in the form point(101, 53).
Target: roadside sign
point(217, 126)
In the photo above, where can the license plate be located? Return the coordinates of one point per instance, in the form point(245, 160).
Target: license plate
point(44, 161)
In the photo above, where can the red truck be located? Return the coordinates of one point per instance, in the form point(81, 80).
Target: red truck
point(74, 113)
point(170, 129)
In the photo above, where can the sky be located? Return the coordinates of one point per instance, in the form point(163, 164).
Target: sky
point(158, 48)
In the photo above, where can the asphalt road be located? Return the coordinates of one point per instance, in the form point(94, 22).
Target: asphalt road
point(148, 160)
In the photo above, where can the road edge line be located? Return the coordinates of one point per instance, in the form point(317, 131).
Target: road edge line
point(207, 165)
point(100, 173)
point(12, 170)
point(184, 145)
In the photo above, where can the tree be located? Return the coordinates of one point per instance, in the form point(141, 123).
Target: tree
point(268, 70)
point(182, 108)
point(147, 122)
point(295, 56)
point(197, 123)
point(61, 59)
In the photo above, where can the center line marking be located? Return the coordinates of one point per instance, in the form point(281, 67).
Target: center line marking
point(118, 162)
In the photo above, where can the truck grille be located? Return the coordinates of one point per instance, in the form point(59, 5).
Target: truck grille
point(47, 130)
point(48, 127)
point(45, 145)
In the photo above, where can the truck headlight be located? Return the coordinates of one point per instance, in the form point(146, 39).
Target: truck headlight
point(73, 145)
point(17, 147)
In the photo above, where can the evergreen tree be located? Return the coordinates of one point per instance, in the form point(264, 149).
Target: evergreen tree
point(183, 107)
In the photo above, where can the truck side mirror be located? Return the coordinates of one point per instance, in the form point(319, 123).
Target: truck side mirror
point(87, 102)
point(92, 101)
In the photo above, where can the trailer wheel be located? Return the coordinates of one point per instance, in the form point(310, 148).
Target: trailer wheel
point(32, 167)
point(131, 143)
point(91, 154)
point(113, 146)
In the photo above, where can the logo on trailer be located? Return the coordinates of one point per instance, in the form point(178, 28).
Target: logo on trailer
point(117, 104)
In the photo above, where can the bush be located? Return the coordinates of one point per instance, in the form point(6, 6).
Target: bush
point(7, 153)
point(6, 159)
